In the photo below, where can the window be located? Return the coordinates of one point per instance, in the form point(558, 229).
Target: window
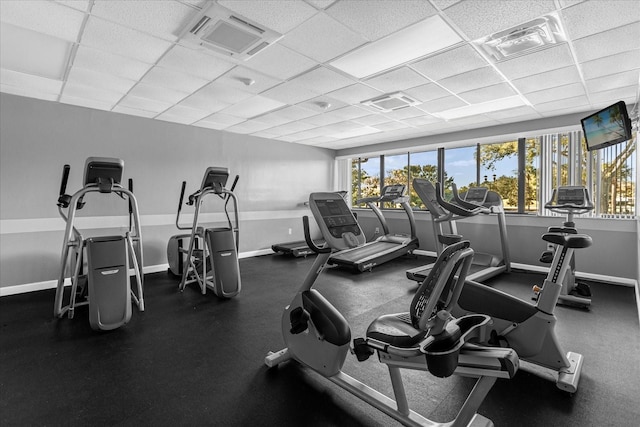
point(524, 172)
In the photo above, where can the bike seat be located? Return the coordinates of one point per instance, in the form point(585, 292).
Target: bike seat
point(575, 241)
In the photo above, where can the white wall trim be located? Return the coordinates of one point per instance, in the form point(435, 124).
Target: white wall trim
point(37, 225)
point(51, 284)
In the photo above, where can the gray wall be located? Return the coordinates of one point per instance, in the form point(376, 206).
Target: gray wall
point(614, 251)
point(38, 137)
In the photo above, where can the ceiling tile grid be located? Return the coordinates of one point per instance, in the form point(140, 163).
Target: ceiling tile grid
point(131, 57)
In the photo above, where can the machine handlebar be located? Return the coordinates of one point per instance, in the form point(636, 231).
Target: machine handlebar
point(63, 198)
point(309, 240)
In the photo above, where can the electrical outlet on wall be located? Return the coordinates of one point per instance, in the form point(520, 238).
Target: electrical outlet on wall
point(377, 230)
point(550, 246)
point(290, 231)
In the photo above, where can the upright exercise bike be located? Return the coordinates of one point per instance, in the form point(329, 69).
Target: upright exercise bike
point(214, 265)
point(426, 338)
point(569, 200)
point(105, 285)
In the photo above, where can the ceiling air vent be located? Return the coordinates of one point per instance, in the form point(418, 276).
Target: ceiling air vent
point(220, 30)
point(523, 39)
point(390, 102)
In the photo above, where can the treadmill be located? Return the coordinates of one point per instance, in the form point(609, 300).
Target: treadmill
point(386, 247)
point(477, 200)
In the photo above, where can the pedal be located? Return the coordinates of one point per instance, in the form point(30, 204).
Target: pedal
point(361, 349)
point(546, 257)
point(581, 290)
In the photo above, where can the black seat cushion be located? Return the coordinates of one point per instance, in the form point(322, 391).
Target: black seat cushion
point(396, 330)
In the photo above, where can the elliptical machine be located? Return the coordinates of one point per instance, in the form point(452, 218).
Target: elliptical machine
point(569, 200)
point(105, 286)
point(426, 338)
point(215, 266)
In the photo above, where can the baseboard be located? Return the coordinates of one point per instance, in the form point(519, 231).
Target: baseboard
point(613, 280)
point(51, 284)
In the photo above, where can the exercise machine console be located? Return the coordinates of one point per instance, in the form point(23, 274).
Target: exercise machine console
point(426, 338)
point(105, 283)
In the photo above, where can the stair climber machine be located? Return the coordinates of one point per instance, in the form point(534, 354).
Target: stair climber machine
point(569, 200)
point(386, 247)
point(211, 258)
point(427, 338)
point(99, 266)
point(475, 201)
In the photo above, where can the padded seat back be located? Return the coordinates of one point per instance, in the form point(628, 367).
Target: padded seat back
point(442, 288)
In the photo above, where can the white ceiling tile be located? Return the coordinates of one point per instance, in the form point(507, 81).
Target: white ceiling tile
point(280, 62)
point(565, 110)
point(194, 62)
point(181, 114)
point(404, 113)
point(563, 104)
point(482, 18)
point(371, 119)
point(524, 111)
point(86, 77)
point(30, 82)
point(444, 4)
point(379, 18)
point(324, 119)
point(322, 38)
point(489, 93)
point(396, 80)
point(421, 120)
point(105, 62)
point(292, 127)
point(470, 80)
point(290, 93)
point(133, 111)
point(549, 79)
point(34, 53)
point(220, 121)
point(27, 92)
point(253, 106)
point(555, 93)
point(165, 19)
point(293, 113)
point(438, 66)
point(321, 4)
point(585, 19)
point(537, 62)
point(145, 90)
point(626, 94)
point(569, 3)
point(351, 112)
point(164, 77)
point(614, 81)
point(91, 92)
point(48, 18)
point(608, 43)
point(82, 5)
point(427, 92)
point(86, 102)
point(249, 126)
point(144, 104)
point(214, 98)
point(279, 15)
point(390, 126)
point(613, 64)
point(441, 104)
point(355, 94)
point(323, 80)
point(322, 104)
point(366, 130)
point(123, 41)
point(248, 80)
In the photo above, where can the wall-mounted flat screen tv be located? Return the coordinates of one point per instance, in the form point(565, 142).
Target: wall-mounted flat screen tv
point(607, 127)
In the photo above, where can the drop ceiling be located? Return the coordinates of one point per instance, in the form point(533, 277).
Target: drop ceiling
point(310, 85)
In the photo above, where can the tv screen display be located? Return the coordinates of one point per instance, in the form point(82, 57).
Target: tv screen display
point(608, 126)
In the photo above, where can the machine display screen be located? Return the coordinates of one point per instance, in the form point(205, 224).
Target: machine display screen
point(476, 194)
point(569, 195)
point(337, 216)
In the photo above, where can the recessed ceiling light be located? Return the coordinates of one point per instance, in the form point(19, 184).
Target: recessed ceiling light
point(390, 102)
point(484, 107)
point(530, 36)
point(418, 40)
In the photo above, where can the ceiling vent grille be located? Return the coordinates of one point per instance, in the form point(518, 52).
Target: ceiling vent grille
point(526, 38)
point(390, 102)
point(220, 30)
